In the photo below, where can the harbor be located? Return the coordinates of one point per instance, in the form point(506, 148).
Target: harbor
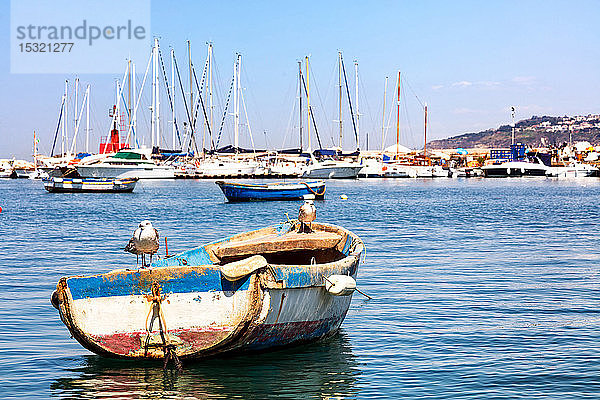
point(325, 200)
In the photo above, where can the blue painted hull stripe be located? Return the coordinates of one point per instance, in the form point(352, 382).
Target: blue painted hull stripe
point(139, 283)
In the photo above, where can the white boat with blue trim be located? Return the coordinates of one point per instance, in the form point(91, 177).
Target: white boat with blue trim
point(76, 185)
point(271, 287)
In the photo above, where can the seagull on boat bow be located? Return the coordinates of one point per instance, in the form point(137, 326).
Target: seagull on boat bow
point(307, 214)
point(144, 241)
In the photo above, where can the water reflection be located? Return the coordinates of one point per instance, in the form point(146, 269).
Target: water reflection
point(326, 370)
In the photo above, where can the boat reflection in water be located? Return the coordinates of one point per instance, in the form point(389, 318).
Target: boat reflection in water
point(324, 369)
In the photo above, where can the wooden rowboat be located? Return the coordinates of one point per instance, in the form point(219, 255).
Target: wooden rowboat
point(256, 290)
point(234, 191)
point(54, 184)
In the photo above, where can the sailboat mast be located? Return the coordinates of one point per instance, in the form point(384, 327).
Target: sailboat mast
point(300, 100)
point(134, 117)
point(398, 120)
point(129, 94)
point(157, 98)
point(191, 91)
point(35, 152)
point(425, 146)
point(65, 137)
point(87, 120)
point(340, 97)
point(75, 108)
point(357, 114)
point(309, 112)
point(383, 115)
point(173, 96)
point(210, 89)
point(236, 101)
point(153, 116)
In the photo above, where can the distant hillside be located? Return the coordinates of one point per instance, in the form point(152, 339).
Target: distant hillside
point(535, 131)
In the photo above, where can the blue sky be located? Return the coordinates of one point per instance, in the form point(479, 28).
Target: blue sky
point(469, 60)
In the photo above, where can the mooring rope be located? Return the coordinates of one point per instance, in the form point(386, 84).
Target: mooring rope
point(168, 349)
point(314, 192)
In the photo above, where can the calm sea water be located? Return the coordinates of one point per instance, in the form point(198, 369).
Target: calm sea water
point(481, 289)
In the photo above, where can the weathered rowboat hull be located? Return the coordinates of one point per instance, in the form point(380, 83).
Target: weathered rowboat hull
point(234, 191)
point(75, 185)
point(202, 311)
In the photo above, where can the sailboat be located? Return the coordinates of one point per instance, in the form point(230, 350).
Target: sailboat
point(236, 166)
point(331, 164)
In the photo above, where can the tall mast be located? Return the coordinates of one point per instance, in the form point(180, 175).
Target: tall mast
point(65, 124)
point(153, 116)
point(357, 114)
point(35, 151)
point(157, 98)
point(87, 121)
point(383, 115)
point(398, 120)
point(236, 101)
point(75, 108)
point(117, 114)
point(134, 117)
point(210, 90)
point(300, 100)
point(340, 96)
point(425, 146)
point(173, 94)
point(129, 94)
point(191, 90)
point(309, 112)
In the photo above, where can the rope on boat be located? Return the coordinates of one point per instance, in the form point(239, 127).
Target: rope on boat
point(314, 192)
point(168, 349)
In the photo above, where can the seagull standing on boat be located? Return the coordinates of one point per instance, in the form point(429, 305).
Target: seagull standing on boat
point(307, 214)
point(144, 241)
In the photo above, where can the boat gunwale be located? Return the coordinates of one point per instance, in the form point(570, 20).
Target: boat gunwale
point(274, 185)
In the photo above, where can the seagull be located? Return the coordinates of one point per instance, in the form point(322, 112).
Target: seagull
point(306, 216)
point(144, 241)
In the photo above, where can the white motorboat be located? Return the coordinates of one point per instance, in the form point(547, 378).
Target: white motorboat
point(515, 168)
point(332, 169)
point(287, 167)
point(374, 168)
point(437, 171)
point(127, 163)
point(225, 168)
point(574, 169)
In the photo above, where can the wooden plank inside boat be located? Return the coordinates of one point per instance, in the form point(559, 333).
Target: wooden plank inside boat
point(274, 243)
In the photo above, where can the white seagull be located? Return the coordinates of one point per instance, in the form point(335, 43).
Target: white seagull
point(144, 241)
point(307, 214)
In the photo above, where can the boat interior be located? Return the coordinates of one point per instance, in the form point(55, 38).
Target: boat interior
point(290, 248)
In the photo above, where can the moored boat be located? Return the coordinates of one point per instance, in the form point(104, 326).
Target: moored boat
point(332, 169)
point(127, 163)
point(234, 191)
point(55, 184)
point(574, 169)
point(267, 288)
point(514, 168)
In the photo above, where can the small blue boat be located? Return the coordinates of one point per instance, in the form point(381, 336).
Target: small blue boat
point(271, 191)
